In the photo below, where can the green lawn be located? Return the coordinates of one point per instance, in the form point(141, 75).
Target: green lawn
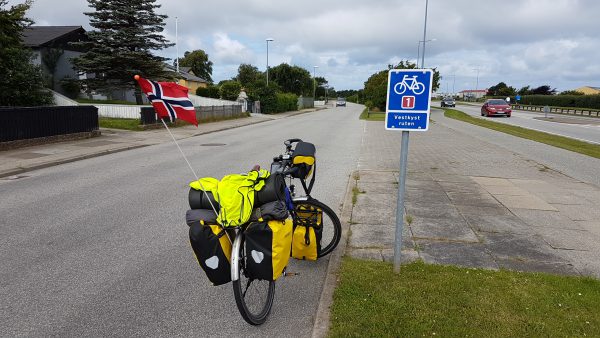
point(117, 123)
point(373, 116)
point(538, 136)
point(446, 301)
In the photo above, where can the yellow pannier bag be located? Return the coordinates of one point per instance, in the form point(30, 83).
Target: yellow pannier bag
point(308, 230)
point(268, 245)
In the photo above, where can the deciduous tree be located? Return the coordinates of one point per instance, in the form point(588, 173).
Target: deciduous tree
point(199, 63)
point(22, 83)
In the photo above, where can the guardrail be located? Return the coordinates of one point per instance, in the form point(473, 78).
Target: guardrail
point(560, 110)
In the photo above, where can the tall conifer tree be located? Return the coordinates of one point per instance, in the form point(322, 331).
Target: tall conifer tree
point(126, 32)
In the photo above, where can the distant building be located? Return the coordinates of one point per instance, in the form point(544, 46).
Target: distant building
point(188, 79)
point(472, 94)
point(588, 90)
point(52, 48)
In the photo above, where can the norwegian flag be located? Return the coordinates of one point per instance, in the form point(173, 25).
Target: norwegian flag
point(169, 99)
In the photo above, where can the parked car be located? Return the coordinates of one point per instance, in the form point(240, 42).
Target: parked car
point(341, 102)
point(448, 102)
point(496, 107)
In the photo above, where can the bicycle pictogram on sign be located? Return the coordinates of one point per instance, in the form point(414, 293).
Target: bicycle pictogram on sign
point(410, 83)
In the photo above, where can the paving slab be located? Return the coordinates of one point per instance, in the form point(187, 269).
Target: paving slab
point(544, 218)
point(536, 266)
point(456, 253)
point(377, 176)
point(377, 236)
point(533, 185)
point(498, 223)
point(566, 198)
point(453, 229)
point(430, 185)
point(374, 209)
point(591, 226)
point(444, 177)
point(440, 210)
point(524, 202)
point(497, 210)
point(493, 181)
point(461, 187)
point(378, 187)
point(566, 239)
point(506, 190)
point(474, 199)
point(427, 197)
point(579, 212)
point(525, 247)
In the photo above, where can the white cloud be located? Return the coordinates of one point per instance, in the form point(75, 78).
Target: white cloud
point(519, 42)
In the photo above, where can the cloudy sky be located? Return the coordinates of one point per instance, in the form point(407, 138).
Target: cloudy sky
point(477, 43)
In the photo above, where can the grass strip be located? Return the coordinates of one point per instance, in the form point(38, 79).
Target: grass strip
point(447, 301)
point(118, 123)
point(577, 146)
point(373, 116)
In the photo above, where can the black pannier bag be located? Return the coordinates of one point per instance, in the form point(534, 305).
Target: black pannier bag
point(199, 199)
point(268, 246)
point(303, 158)
point(273, 190)
point(204, 216)
point(213, 251)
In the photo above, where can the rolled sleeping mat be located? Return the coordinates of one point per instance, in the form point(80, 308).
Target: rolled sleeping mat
point(204, 216)
point(273, 190)
point(199, 200)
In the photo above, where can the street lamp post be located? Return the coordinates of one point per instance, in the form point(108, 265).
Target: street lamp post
point(314, 82)
point(424, 35)
point(268, 39)
point(476, 82)
point(419, 50)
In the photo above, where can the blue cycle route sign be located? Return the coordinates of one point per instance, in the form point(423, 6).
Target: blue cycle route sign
point(408, 99)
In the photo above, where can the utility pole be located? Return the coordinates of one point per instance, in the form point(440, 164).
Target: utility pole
point(424, 35)
point(176, 45)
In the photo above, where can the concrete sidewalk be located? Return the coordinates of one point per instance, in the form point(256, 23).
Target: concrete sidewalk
point(474, 205)
point(18, 161)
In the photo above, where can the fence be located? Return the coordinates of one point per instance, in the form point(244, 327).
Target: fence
point(119, 111)
point(560, 110)
point(215, 113)
point(35, 122)
point(306, 102)
point(200, 101)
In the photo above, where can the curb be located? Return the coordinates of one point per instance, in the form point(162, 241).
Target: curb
point(67, 160)
point(323, 315)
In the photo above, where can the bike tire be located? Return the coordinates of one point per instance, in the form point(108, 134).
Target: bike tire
point(332, 227)
point(256, 306)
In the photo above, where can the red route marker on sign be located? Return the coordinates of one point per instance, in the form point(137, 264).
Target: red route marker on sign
point(408, 102)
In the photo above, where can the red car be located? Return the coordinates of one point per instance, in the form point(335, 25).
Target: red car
point(496, 107)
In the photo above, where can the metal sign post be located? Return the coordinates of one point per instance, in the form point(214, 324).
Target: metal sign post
point(408, 107)
point(546, 111)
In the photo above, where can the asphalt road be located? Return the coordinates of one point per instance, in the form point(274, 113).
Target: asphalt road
point(577, 127)
point(99, 247)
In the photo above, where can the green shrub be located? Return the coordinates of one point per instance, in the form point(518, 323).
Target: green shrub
point(210, 91)
point(71, 86)
point(286, 102)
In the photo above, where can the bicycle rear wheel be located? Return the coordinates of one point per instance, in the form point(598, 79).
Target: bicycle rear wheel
point(332, 228)
point(254, 297)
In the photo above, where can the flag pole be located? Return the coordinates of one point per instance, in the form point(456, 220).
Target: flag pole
point(189, 165)
point(181, 151)
point(137, 78)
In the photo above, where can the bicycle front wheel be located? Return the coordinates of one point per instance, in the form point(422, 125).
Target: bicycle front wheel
point(332, 228)
point(254, 297)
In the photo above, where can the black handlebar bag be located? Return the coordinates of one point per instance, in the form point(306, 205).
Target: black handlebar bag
point(304, 163)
